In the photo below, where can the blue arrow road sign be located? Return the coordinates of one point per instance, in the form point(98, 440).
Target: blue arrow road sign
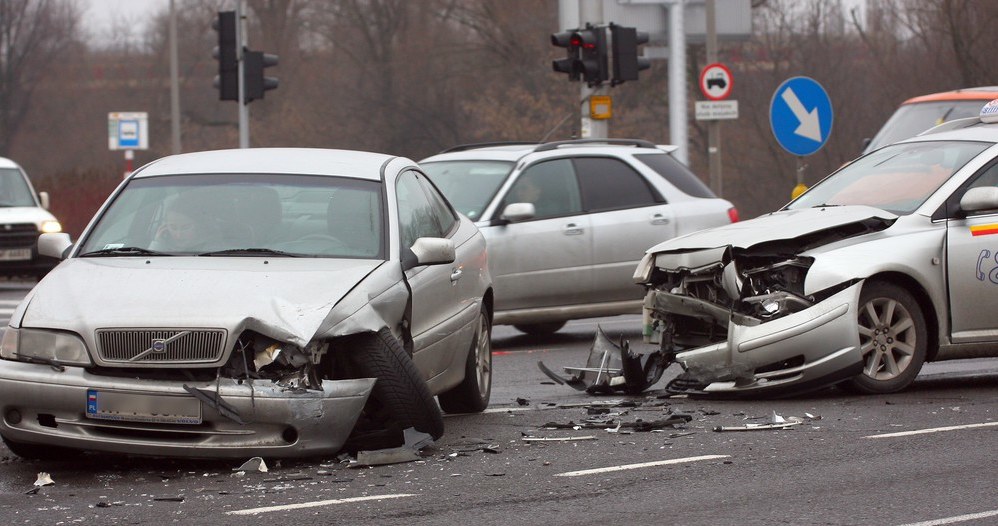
point(800, 115)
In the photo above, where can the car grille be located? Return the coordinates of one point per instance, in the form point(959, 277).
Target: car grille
point(18, 235)
point(160, 345)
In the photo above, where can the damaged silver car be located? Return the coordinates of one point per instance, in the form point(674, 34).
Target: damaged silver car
point(273, 302)
point(889, 262)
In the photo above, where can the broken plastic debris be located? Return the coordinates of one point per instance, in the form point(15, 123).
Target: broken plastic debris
point(44, 479)
point(773, 421)
point(253, 464)
point(414, 442)
point(613, 368)
point(558, 439)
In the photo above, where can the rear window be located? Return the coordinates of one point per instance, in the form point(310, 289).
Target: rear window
point(673, 171)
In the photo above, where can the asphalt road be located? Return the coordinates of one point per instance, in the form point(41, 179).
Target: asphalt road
point(925, 456)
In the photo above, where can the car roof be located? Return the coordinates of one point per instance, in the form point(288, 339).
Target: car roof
point(969, 129)
point(513, 152)
point(984, 93)
point(308, 161)
point(7, 163)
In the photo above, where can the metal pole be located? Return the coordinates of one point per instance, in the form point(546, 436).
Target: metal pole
point(713, 127)
point(677, 81)
point(244, 139)
point(591, 11)
point(174, 82)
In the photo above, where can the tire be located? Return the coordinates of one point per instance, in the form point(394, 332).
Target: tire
point(540, 329)
point(472, 394)
point(400, 398)
point(39, 451)
point(893, 339)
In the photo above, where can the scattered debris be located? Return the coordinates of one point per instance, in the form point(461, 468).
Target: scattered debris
point(612, 368)
point(44, 479)
point(253, 464)
point(522, 402)
point(774, 421)
point(178, 498)
point(557, 439)
point(638, 425)
point(414, 442)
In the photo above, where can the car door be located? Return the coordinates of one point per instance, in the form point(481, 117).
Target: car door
point(543, 261)
point(972, 268)
point(439, 318)
point(627, 216)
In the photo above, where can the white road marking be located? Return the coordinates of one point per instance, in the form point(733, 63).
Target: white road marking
point(638, 466)
point(958, 518)
point(932, 430)
point(254, 511)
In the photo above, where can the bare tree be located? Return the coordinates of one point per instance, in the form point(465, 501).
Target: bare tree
point(32, 34)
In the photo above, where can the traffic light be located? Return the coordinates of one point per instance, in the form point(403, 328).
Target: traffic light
point(253, 67)
point(593, 58)
point(570, 64)
point(227, 80)
point(626, 62)
point(586, 57)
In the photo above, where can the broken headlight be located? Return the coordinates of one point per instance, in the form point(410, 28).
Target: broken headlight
point(772, 289)
point(35, 345)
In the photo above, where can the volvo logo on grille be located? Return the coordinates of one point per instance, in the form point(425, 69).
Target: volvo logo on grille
point(158, 346)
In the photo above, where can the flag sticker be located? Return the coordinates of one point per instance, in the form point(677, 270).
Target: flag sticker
point(984, 230)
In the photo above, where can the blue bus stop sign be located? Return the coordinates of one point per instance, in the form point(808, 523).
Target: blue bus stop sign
point(800, 115)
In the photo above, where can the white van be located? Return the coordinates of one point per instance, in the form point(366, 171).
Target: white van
point(24, 216)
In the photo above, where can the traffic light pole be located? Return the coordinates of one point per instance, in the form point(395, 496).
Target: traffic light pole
point(591, 11)
point(244, 139)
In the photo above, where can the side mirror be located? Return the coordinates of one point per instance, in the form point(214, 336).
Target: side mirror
point(44, 198)
point(55, 245)
point(518, 212)
point(980, 198)
point(434, 250)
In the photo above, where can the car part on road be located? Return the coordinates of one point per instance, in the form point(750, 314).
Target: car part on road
point(612, 368)
point(774, 421)
point(254, 464)
point(415, 441)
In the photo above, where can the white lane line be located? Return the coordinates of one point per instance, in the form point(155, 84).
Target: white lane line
point(958, 518)
point(639, 466)
point(286, 507)
point(932, 430)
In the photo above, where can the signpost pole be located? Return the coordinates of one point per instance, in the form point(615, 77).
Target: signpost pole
point(713, 126)
point(129, 157)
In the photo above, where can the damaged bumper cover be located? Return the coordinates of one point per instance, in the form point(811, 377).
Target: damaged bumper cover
point(808, 349)
point(76, 409)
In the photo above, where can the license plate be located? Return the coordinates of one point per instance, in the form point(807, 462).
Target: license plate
point(134, 407)
point(15, 254)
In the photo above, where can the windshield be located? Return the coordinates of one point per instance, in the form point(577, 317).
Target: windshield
point(14, 190)
point(897, 178)
point(911, 119)
point(242, 215)
point(468, 185)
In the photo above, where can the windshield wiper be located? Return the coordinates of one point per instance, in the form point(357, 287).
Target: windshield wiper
point(251, 252)
point(124, 251)
point(54, 364)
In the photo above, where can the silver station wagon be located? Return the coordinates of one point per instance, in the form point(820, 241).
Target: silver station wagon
point(887, 263)
point(274, 302)
point(567, 221)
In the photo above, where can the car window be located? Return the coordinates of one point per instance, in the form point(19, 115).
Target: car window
point(417, 217)
point(301, 215)
point(986, 177)
point(896, 178)
point(911, 119)
point(14, 190)
point(676, 173)
point(550, 186)
point(468, 185)
point(443, 211)
point(610, 184)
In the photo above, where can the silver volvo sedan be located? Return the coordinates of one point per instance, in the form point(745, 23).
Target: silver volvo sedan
point(276, 302)
point(887, 263)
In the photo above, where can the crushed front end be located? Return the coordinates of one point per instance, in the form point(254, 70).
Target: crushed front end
point(739, 321)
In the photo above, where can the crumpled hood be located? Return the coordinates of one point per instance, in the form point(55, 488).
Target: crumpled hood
point(284, 298)
point(782, 225)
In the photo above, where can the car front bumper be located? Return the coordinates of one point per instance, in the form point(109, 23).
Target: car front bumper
point(39, 405)
point(813, 348)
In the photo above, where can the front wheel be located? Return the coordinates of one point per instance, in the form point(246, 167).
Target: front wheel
point(893, 339)
point(400, 398)
point(472, 394)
